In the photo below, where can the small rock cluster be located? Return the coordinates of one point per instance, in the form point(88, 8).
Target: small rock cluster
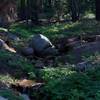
point(41, 47)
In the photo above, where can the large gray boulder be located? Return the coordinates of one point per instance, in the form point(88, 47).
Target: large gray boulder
point(50, 51)
point(27, 51)
point(42, 45)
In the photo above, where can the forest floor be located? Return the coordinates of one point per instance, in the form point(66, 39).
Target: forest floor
point(75, 71)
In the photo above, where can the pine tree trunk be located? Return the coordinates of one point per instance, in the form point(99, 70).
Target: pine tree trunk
point(21, 12)
point(34, 12)
point(74, 10)
point(98, 10)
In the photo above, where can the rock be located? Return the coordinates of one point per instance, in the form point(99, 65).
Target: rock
point(89, 38)
point(83, 66)
point(61, 59)
point(50, 51)
point(97, 37)
point(90, 48)
point(2, 98)
point(25, 96)
point(49, 63)
point(39, 64)
point(42, 45)
point(27, 51)
point(40, 42)
point(8, 36)
point(66, 44)
point(13, 37)
point(86, 65)
point(74, 44)
point(69, 40)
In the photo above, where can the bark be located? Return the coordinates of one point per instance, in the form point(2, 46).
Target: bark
point(34, 10)
point(98, 10)
point(8, 12)
point(74, 10)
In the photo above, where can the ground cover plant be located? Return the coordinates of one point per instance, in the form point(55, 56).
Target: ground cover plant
point(50, 49)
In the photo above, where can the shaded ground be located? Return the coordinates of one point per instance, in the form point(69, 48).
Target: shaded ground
point(74, 41)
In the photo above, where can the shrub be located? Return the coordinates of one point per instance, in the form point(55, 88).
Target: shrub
point(64, 84)
point(17, 63)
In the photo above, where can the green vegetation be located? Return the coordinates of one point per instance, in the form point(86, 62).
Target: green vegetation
point(61, 82)
point(10, 95)
point(7, 79)
point(65, 84)
point(17, 63)
point(64, 77)
point(86, 26)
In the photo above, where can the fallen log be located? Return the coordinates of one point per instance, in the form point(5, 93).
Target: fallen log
point(6, 47)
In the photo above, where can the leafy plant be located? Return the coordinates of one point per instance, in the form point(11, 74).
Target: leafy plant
point(65, 84)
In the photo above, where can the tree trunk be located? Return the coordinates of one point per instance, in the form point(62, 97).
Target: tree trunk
point(74, 10)
point(98, 10)
point(8, 12)
point(21, 12)
point(34, 10)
